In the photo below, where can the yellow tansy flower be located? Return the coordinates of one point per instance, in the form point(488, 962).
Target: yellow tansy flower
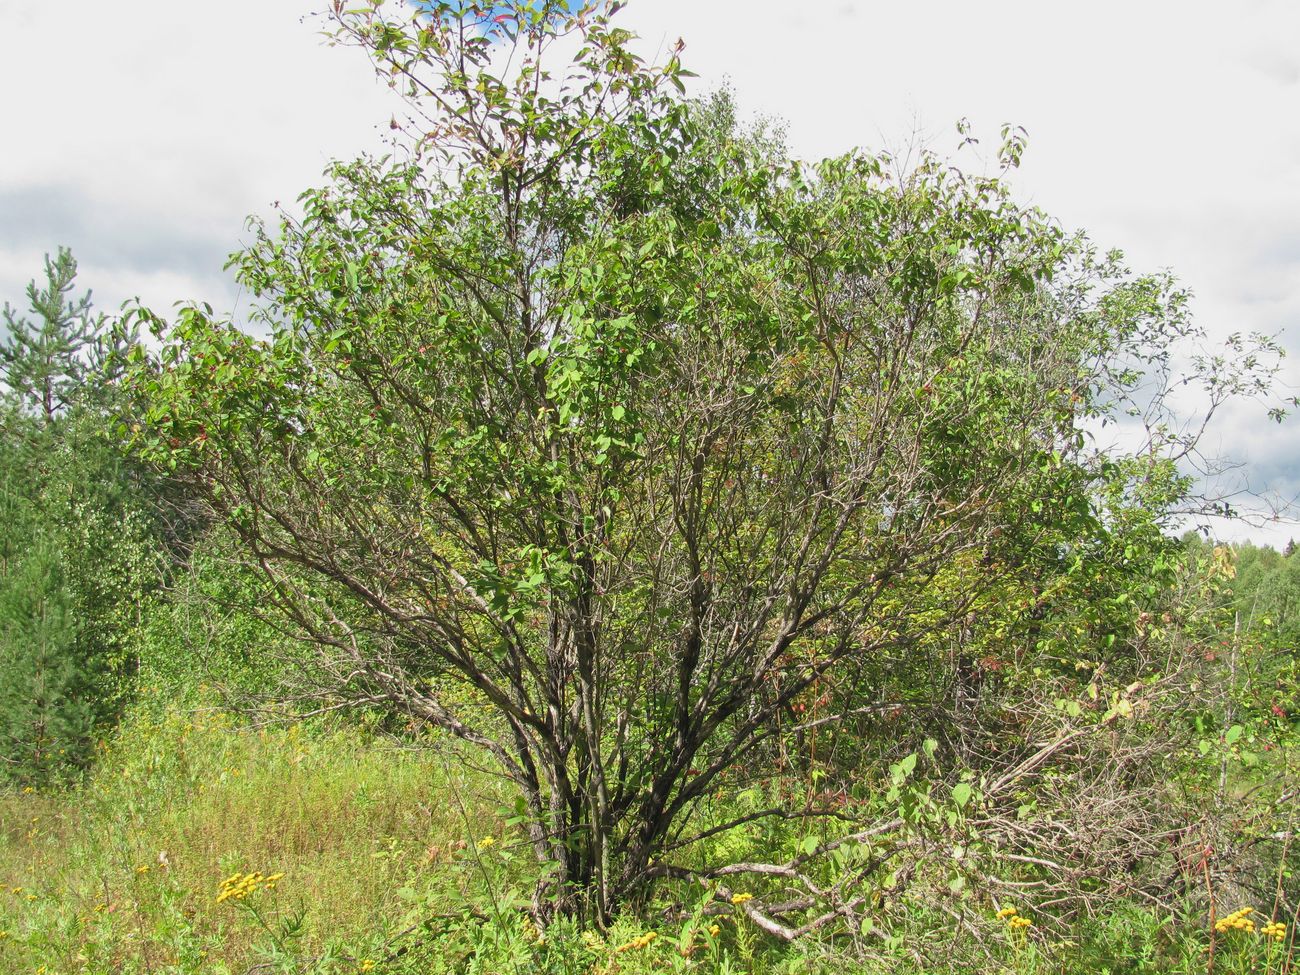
point(638, 942)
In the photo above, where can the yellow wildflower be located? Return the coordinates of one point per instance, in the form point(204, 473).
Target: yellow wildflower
point(1238, 920)
point(714, 929)
point(638, 942)
point(739, 899)
point(486, 842)
point(142, 869)
point(240, 885)
point(367, 965)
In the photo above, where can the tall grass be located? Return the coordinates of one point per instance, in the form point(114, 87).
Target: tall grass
point(120, 874)
point(399, 859)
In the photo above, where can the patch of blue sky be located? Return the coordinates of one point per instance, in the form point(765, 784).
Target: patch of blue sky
point(489, 18)
point(491, 10)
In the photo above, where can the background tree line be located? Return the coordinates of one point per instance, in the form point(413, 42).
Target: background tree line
point(85, 546)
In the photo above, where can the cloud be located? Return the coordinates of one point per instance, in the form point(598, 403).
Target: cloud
point(1279, 66)
point(160, 126)
point(106, 231)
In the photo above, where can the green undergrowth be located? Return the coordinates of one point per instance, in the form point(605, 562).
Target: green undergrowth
point(345, 851)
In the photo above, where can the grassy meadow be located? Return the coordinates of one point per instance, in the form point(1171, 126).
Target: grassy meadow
point(347, 851)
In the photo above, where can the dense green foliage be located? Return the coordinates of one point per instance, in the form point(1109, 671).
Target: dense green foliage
point(78, 551)
point(620, 546)
point(1268, 593)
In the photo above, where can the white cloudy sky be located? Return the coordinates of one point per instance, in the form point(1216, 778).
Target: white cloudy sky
point(142, 133)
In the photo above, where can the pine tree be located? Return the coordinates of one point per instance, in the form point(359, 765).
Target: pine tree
point(76, 549)
point(47, 707)
point(45, 361)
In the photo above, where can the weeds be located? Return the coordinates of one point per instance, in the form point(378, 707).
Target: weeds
point(204, 845)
